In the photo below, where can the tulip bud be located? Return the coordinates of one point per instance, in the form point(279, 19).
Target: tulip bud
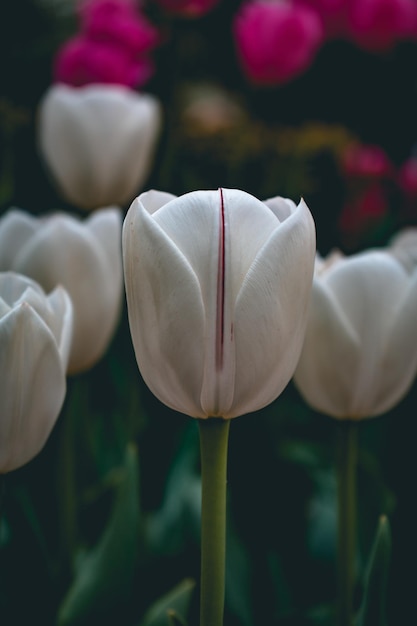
point(35, 339)
point(360, 351)
point(378, 25)
point(84, 257)
point(98, 141)
point(217, 287)
point(276, 41)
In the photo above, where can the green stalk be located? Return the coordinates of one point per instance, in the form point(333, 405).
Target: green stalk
point(347, 460)
point(214, 434)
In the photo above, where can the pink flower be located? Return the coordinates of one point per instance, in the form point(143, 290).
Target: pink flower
point(407, 177)
point(333, 14)
point(366, 161)
point(188, 8)
point(364, 213)
point(89, 8)
point(82, 61)
point(276, 41)
point(378, 25)
point(117, 21)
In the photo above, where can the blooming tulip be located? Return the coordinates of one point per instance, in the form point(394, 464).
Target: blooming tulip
point(98, 141)
point(217, 286)
point(84, 257)
point(276, 41)
point(360, 351)
point(35, 339)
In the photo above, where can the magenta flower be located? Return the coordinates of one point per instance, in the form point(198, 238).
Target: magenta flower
point(333, 14)
point(188, 8)
point(118, 22)
point(407, 177)
point(363, 214)
point(377, 25)
point(276, 41)
point(366, 161)
point(82, 62)
point(111, 8)
point(112, 48)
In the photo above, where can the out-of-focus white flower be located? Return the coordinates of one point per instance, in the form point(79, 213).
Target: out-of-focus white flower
point(35, 340)
point(360, 350)
point(403, 246)
point(84, 257)
point(98, 141)
point(217, 286)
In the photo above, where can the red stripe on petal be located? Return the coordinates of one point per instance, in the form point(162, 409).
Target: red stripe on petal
point(220, 287)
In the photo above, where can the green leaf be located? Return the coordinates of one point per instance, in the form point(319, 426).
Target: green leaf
point(104, 575)
point(170, 609)
point(372, 610)
point(175, 620)
point(178, 520)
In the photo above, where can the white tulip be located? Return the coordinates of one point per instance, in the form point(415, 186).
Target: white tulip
point(98, 141)
point(404, 247)
point(360, 352)
point(35, 339)
point(82, 256)
point(217, 287)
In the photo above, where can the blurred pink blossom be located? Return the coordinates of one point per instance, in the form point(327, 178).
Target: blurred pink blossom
point(188, 8)
point(88, 8)
point(363, 213)
point(334, 14)
point(366, 161)
point(377, 25)
point(82, 61)
point(407, 177)
point(118, 22)
point(112, 47)
point(276, 41)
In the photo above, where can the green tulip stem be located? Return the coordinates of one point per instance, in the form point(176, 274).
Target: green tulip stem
point(214, 434)
point(347, 460)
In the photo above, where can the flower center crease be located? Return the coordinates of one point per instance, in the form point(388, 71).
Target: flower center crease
point(220, 287)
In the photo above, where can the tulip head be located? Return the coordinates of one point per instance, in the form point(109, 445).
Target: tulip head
point(276, 41)
point(84, 257)
point(360, 355)
point(217, 287)
point(98, 141)
point(35, 340)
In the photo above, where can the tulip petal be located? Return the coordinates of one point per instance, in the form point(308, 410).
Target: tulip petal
point(281, 207)
point(60, 253)
point(166, 312)
point(270, 314)
point(154, 200)
point(106, 226)
point(33, 375)
point(360, 284)
point(398, 364)
point(15, 229)
point(61, 322)
point(331, 344)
